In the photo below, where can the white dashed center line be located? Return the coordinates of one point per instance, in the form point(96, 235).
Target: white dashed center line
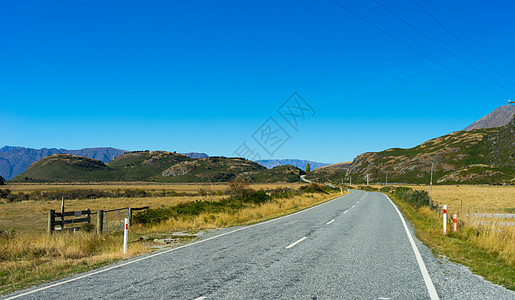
point(293, 244)
point(330, 222)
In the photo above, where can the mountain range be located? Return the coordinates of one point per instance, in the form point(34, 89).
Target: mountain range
point(299, 163)
point(15, 160)
point(156, 166)
point(482, 153)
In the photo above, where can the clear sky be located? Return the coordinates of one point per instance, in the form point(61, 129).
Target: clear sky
point(207, 76)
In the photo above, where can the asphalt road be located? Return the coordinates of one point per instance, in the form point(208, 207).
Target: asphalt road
point(354, 247)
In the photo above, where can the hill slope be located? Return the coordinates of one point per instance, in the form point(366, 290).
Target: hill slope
point(138, 166)
point(65, 167)
point(477, 156)
point(497, 118)
point(284, 173)
point(299, 163)
point(334, 172)
point(210, 169)
point(15, 160)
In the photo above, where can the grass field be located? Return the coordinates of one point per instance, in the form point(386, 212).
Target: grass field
point(474, 198)
point(29, 256)
point(487, 248)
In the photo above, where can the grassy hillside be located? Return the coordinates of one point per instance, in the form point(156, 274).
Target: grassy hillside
point(284, 173)
point(158, 166)
point(210, 169)
point(477, 156)
point(143, 165)
point(330, 173)
point(65, 167)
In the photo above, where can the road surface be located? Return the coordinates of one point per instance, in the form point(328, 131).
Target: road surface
point(354, 247)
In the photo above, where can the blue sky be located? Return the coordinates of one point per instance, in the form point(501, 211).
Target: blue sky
point(205, 75)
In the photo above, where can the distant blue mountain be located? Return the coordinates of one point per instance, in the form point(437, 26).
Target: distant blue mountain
point(299, 163)
point(15, 160)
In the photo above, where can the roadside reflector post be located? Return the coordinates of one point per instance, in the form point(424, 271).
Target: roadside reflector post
point(125, 235)
point(444, 219)
point(341, 191)
point(454, 222)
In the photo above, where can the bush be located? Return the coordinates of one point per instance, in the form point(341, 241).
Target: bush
point(415, 197)
point(313, 188)
point(87, 227)
point(2, 180)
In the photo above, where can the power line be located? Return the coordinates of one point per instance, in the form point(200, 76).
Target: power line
point(462, 42)
point(414, 49)
point(442, 47)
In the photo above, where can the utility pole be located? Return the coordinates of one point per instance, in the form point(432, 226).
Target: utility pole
point(386, 183)
point(431, 181)
point(367, 179)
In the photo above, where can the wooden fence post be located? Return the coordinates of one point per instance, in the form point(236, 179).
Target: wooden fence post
point(100, 221)
point(130, 217)
point(51, 221)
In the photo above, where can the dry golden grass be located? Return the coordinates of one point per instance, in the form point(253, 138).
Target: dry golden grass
point(33, 215)
point(473, 198)
point(29, 256)
point(464, 200)
point(157, 186)
point(248, 215)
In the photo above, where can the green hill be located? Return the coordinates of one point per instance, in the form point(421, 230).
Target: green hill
point(210, 169)
point(330, 173)
point(143, 165)
point(477, 156)
point(284, 173)
point(65, 168)
point(138, 166)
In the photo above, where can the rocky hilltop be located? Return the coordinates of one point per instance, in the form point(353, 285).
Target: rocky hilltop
point(476, 156)
point(497, 118)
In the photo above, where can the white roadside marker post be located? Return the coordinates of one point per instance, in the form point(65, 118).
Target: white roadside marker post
point(444, 219)
point(125, 235)
point(454, 222)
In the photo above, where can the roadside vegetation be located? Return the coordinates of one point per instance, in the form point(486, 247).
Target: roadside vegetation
point(29, 256)
point(486, 246)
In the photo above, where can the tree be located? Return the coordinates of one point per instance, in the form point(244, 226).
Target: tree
point(2, 180)
point(308, 168)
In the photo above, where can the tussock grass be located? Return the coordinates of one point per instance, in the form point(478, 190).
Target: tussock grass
point(488, 250)
point(31, 258)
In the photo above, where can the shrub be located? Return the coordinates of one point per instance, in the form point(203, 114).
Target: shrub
point(415, 197)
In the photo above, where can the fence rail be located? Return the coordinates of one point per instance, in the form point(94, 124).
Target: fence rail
point(491, 215)
point(104, 220)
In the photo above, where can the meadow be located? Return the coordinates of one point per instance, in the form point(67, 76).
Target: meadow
point(486, 245)
point(28, 255)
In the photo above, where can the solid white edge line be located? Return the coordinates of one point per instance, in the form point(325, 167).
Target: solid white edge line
point(427, 279)
point(165, 251)
point(329, 222)
point(295, 243)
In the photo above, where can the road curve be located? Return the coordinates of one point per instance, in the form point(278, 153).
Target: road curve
point(354, 247)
